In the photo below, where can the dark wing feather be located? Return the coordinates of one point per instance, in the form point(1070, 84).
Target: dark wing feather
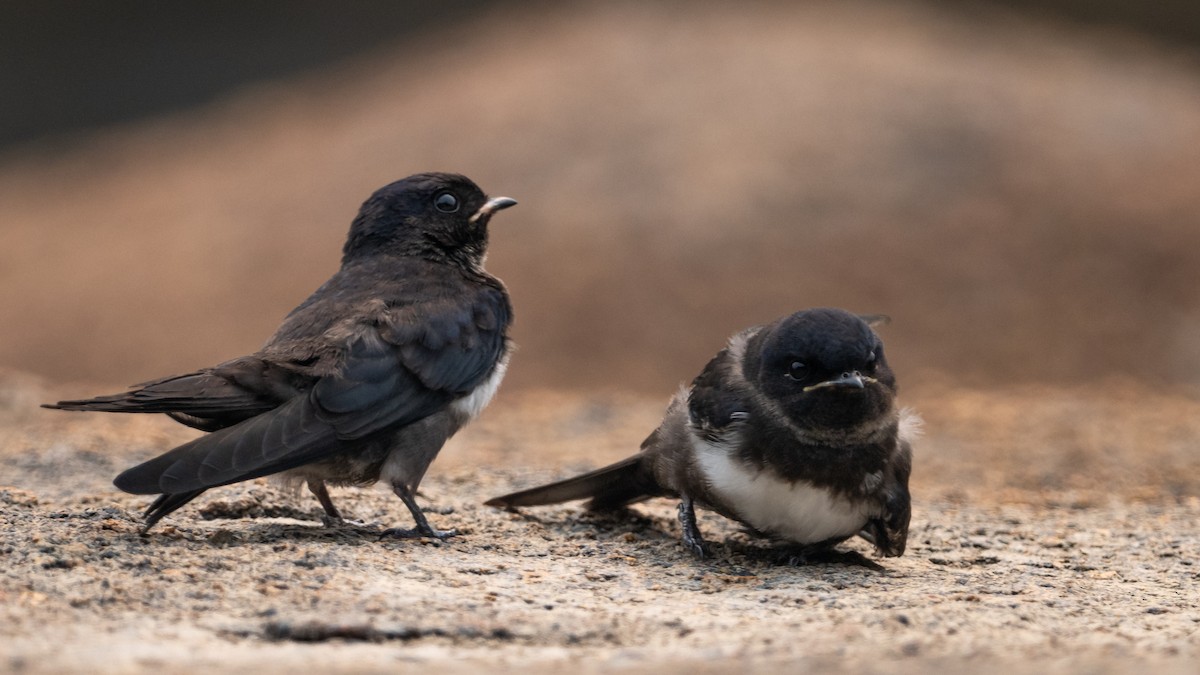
point(271, 442)
point(455, 346)
point(209, 399)
point(714, 407)
point(377, 388)
point(889, 533)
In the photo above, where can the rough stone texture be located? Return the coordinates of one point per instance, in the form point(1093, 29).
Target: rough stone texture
point(1013, 565)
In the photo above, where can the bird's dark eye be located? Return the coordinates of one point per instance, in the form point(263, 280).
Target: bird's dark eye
point(446, 202)
point(797, 371)
point(872, 361)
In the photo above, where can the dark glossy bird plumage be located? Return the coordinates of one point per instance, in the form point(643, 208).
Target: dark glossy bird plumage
point(364, 380)
point(792, 430)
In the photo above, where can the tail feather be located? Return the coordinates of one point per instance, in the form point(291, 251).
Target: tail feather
point(289, 436)
point(285, 438)
point(201, 395)
point(165, 504)
point(610, 487)
point(144, 479)
point(208, 399)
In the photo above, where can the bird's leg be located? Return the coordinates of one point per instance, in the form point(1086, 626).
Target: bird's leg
point(423, 528)
point(333, 517)
point(692, 539)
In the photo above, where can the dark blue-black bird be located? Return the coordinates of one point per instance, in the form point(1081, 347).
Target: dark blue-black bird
point(792, 430)
point(365, 380)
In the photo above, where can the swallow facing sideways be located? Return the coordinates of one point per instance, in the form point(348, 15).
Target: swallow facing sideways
point(792, 430)
point(365, 380)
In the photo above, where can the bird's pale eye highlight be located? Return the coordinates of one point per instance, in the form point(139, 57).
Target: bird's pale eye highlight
point(446, 202)
point(797, 370)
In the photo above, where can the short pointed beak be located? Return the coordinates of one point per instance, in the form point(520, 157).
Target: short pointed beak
point(853, 380)
point(492, 206)
point(850, 380)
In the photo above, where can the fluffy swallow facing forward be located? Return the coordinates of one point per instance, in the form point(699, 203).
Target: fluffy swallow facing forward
point(792, 430)
point(365, 380)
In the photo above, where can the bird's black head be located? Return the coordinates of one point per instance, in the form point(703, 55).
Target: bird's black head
point(824, 367)
point(441, 216)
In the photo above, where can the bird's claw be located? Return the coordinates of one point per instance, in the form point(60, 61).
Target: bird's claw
point(417, 533)
point(332, 522)
point(696, 547)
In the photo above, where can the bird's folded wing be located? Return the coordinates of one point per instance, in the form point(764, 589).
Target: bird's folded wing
point(392, 375)
point(451, 345)
point(716, 407)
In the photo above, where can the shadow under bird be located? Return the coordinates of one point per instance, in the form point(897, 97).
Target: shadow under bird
point(791, 430)
point(365, 380)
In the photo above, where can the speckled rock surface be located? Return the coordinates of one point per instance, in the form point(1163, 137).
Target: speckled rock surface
point(1011, 576)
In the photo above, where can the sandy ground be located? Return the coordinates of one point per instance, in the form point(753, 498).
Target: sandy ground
point(1014, 563)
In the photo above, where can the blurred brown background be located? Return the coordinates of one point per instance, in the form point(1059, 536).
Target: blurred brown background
point(1017, 184)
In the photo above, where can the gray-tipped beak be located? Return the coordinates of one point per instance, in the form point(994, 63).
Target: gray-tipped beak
point(854, 380)
point(492, 206)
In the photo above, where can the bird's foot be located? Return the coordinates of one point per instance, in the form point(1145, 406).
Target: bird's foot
point(334, 522)
point(426, 532)
point(692, 539)
point(698, 548)
point(423, 528)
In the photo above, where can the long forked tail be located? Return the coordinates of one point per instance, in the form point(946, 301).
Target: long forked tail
point(610, 487)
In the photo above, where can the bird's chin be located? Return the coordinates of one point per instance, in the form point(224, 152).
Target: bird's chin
point(846, 408)
point(837, 396)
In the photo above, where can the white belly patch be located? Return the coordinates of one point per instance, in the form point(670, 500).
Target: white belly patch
point(469, 406)
point(798, 512)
